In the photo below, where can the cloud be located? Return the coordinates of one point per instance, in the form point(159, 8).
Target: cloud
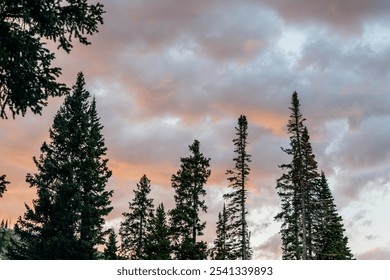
point(342, 16)
point(270, 249)
point(167, 72)
point(376, 253)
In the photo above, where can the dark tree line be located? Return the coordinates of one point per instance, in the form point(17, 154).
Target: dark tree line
point(66, 221)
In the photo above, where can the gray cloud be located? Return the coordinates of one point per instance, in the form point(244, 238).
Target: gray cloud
point(343, 16)
point(270, 249)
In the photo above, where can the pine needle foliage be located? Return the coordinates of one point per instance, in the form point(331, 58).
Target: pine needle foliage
point(306, 200)
point(237, 227)
point(186, 226)
point(158, 246)
point(111, 249)
point(222, 247)
point(330, 242)
point(3, 185)
point(134, 230)
point(66, 219)
point(28, 78)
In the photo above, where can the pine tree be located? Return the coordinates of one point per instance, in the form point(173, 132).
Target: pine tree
point(297, 189)
point(330, 242)
point(66, 220)
point(236, 198)
point(186, 226)
point(111, 250)
point(222, 249)
point(134, 229)
point(310, 223)
point(311, 178)
point(5, 233)
point(3, 185)
point(158, 246)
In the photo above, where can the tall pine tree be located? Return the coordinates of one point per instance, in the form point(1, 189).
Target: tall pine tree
point(185, 222)
point(236, 198)
point(66, 220)
point(158, 246)
point(134, 230)
point(301, 190)
point(291, 189)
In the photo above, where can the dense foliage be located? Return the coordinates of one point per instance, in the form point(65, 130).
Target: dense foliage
point(306, 201)
point(27, 77)
point(134, 230)
point(66, 219)
point(186, 226)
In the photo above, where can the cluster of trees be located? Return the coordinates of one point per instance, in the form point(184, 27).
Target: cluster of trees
point(66, 220)
point(311, 227)
point(148, 234)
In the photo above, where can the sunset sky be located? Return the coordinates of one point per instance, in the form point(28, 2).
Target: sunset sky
point(166, 72)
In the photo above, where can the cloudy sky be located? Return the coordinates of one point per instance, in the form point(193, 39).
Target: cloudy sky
point(166, 72)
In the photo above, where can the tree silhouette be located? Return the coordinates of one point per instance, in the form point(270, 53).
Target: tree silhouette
point(27, 77)
point(186, 226)
point(66, 220)
point(134, 230)
point(236, 199)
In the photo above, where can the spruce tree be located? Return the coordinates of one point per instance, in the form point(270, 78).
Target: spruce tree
point(222, 249)
point(5, 235)
point(305, 198)
point(236, 198)
point(67, 217)
point(3, 185)
point(185, 222)
point(158, 246)
point(111, 250)
point(291, 187)
point(134, 230)
point(330, 242)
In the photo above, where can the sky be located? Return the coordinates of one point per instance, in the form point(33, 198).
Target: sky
point(166, 72)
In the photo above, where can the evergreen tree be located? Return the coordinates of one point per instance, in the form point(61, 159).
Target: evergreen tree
point(111, 250)
point(66, 220)
point(330, 242)
point(222, 249)
point(236, 198)
point(290, 189)
point(134, 230)
point(3, 185)
point(297, 189)
point(5, 233)
point(28, 78)
point(186, 226)
point(158, 246)
point(302, 190)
